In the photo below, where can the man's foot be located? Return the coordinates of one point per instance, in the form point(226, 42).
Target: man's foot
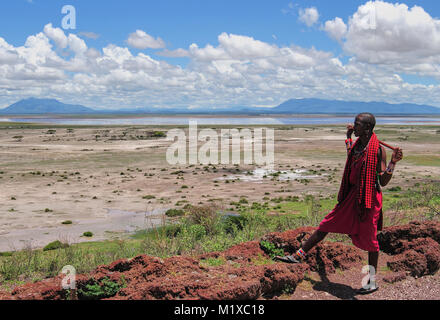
point(367, 291)
point(288, 259)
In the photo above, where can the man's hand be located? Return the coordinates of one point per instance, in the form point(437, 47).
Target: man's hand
point(397, 155)
point(350, 130)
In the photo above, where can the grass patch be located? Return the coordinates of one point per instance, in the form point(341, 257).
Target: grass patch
point(260, 260)
point(213, 262)
point(423, 160)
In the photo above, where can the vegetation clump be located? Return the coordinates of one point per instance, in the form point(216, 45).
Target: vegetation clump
point(100, 290)
point(55, 245)
point(174, 213)
point(271, 249)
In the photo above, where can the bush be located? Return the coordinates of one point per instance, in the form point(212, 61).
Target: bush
point(233, 223)
point(67, 222)
point(205, 216)
point(55, 245)
point(271, 249)
point(197, 231)
point(174, 213)
point(96, 290)
point(88, 234)
point(159, 134)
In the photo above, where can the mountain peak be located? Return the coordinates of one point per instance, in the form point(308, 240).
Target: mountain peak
point(44, 106)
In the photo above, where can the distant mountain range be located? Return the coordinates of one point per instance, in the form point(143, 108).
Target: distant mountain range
point(33, 106)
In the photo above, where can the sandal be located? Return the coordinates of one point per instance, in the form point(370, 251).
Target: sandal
point(287, 259)
point(367, 291)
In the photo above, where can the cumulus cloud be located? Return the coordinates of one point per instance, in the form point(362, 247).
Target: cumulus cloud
point(309, 16)
point(57, 35)
point(336, 28)
point(385, 33)
point(141, 40)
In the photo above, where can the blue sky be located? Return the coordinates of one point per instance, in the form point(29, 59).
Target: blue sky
point(200, 54)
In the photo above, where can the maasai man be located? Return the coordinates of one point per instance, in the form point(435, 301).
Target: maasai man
point(359, 209)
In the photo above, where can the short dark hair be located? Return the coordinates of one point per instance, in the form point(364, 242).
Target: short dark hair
point(368, 118)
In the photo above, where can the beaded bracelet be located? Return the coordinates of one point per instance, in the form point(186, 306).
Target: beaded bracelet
point(389, 170)
point(348, 143)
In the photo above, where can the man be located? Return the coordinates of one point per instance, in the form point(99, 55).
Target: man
point(359, 209)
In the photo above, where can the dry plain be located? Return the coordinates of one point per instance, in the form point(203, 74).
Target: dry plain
point(115, 180)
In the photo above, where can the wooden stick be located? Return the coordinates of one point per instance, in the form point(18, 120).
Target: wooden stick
point(386, 145)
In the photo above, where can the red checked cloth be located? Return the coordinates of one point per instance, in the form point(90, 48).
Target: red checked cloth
point(367, 176)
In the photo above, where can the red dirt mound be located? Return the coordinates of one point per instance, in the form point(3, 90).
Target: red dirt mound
point(415, 247)
point(244, 271)
point(325, 257)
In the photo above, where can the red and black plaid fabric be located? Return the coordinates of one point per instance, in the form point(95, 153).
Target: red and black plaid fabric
point(367, 176)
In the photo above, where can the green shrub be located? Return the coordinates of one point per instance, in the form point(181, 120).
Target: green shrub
point(55, 245)
point(196, 231)
point(67, 222)
point(205, 216)
point(271, 249)
point(88, 234)
point(5, 254)
point(96, 290)
point(159, 134)
point(233, 223)
point(174, 213)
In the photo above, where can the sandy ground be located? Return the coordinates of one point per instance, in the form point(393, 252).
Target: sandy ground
point(108, 179)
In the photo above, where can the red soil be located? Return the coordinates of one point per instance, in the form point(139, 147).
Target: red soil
point(246, 271)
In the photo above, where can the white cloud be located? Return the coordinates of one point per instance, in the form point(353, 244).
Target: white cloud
point(141, 40)
point(90, 35)
point(178, 53)
point(309, 16)
point(336, 28)
point(386, 33)
point(235, 70)
point(57, 35)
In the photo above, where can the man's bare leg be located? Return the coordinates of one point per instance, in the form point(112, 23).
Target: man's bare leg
point(314, 239)
point(306, 246)
point(373, 258)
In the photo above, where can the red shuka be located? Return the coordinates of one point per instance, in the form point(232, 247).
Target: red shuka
point(358, 190)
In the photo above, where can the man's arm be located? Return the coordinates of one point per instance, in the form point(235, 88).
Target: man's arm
point(386, 172)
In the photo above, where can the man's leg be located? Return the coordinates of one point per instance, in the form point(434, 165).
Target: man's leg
point(373, 258)
point(314, 239)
